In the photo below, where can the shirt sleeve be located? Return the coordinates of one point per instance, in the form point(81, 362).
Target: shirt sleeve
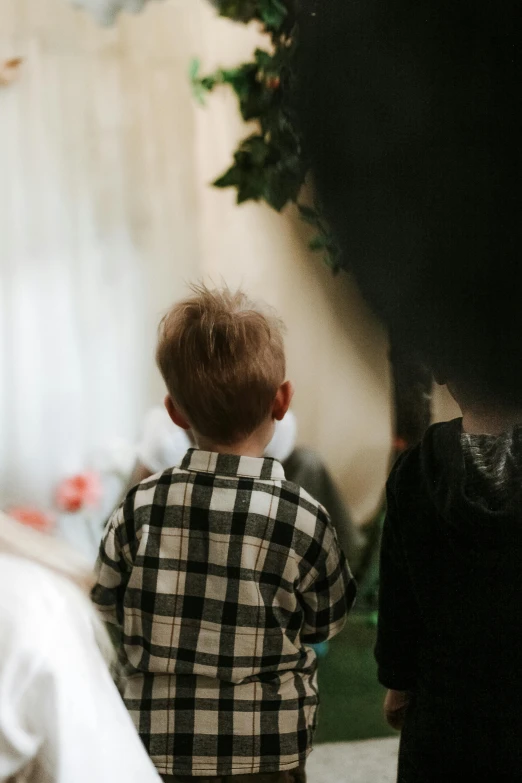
point(112, 568)
point(328, 592)
point(398, 624)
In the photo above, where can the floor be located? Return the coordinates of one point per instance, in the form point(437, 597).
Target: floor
point(369, 761)
point(353, 742)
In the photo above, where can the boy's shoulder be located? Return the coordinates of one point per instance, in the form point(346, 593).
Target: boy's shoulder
point(161, 478)
point(309, 515)
point(295, 493)
point(288, 491)
point(295, 504)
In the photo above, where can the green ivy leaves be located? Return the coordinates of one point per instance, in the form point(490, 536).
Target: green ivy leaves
point(268, 165)
point(273, 13)
point(263, 172)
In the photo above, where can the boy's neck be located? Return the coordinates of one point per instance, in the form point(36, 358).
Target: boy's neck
point(253, 446)
point(485, 422)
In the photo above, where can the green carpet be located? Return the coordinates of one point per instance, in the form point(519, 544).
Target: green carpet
point(351, 697)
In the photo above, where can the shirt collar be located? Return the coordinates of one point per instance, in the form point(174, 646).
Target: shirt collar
point(232, 465)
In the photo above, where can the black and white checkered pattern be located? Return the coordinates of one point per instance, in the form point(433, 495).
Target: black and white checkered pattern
point(219, 572)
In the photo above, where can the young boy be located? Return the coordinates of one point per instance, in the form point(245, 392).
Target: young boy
point(220, 572)
point(449, 643)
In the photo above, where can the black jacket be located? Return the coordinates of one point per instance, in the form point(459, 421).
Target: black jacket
point(450, 618)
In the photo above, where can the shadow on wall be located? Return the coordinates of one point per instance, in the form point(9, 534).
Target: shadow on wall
point(367, 338)
point(349, 364)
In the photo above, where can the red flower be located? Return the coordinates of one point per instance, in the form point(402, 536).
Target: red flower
point(273, 82)
point(78, 492)
point(32, 517)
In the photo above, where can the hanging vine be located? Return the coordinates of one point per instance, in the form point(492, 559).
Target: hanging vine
point(269, 165)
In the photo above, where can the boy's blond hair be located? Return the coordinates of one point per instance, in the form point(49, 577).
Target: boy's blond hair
point(223, 360)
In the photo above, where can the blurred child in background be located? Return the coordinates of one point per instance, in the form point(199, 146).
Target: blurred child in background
point(220, 572)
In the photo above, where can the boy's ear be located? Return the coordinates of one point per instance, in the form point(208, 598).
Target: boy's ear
point(282, 400)
point(175, 414)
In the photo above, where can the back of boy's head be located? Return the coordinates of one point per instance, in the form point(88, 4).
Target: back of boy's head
point(222, 358)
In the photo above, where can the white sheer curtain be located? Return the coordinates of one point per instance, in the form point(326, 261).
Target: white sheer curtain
point(70, 361)
point(99, 233)
point(72, 301)
point(70, 379)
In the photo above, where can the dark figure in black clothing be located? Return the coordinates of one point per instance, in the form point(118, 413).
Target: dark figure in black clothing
point(449, 643)
point(412, 117)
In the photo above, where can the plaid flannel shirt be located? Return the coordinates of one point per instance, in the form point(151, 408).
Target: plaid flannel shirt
point(219, 573)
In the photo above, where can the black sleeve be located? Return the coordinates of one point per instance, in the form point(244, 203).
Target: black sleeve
point(398, 625)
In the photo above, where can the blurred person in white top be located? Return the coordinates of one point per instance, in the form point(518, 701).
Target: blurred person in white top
point(61, 716)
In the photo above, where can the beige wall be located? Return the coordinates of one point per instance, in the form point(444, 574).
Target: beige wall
point(112, 115)
point(444, 406)
point(101, 123)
